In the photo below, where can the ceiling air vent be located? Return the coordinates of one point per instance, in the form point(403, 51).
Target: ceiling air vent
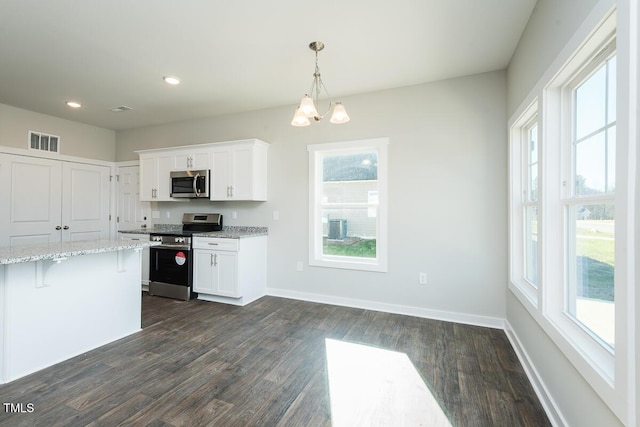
point(120, 109)
point(44, 142)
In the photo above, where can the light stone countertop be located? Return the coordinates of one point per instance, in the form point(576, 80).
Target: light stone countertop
point(227, 232)
point(55, 251)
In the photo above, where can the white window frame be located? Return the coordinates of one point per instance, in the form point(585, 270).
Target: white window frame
point(610, 374)
point(316, 256)
point(519, 201)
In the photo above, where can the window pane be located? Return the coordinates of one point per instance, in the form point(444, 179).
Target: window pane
point(611, 159)
point(349, 192)
point(590, 165)
point(350, 167)
point(349, 232)
point(533, 163)
point(611, 113)
point(591, 101)
point(531, 245)
point(591, 266)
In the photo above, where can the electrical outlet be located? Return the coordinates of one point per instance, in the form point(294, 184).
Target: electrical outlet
point(422, 278)
point(234, 215)
point(299, 266)
point(276, 215)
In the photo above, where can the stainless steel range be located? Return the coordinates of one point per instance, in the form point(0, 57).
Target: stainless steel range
point(171, 262)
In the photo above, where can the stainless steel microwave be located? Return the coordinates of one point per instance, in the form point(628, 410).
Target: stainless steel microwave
point(190, 184)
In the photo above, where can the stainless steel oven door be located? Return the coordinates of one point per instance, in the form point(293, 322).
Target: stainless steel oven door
point(171, 271)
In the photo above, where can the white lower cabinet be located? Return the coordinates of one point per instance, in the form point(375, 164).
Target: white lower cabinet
point(145, 256)
point(231, 271)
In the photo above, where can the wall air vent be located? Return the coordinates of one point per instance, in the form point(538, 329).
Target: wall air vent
point(120, 109)
point(44, 142)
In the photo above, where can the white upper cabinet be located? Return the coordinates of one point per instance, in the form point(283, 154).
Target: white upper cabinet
point(192, 159)
point(239, 171)
point(155, 181)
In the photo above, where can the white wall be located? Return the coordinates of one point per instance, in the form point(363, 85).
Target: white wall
point(76, 139)
point(551, 27)
point(447, 185)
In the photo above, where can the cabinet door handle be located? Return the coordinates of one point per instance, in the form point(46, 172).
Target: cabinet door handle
point(231, 187)
point(215, 260)
point(212, 244)
point(211, 259)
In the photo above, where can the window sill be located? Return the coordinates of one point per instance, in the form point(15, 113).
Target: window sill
point(349, 264)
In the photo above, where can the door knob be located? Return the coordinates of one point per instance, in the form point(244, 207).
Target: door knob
point(58, 228)
point(66, 227)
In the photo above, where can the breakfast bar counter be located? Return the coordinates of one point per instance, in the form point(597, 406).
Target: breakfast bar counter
point(62, 299)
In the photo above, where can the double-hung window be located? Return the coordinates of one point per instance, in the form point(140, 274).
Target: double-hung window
point(569, 186)
point(348, 204)
point(525, 203)
point(589, 198)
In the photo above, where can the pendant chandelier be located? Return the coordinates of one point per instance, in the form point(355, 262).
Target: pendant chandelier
point(310, 103)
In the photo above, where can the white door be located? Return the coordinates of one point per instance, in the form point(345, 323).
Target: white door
point(219, 186)
point(85, 202)
point(226, 276)
point(132, 212)
point(31, 205)
point(203, 271)
point(163, 178)
point(242, 173)
point(148, 178)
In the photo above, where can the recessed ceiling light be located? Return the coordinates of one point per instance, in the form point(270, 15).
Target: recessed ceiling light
point(74, 104)
point(171, 80)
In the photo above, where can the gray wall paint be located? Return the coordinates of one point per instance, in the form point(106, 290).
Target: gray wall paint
point(76, 139)
point(447, 186)
point(550, 28)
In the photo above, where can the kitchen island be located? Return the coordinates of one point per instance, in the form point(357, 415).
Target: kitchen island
point(63, 299)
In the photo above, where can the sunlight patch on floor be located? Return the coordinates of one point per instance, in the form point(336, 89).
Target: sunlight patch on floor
point(370, 386)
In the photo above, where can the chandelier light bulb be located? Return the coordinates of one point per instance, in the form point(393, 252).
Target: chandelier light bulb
point(299, 119)
point(339, 115)
point(307, 108)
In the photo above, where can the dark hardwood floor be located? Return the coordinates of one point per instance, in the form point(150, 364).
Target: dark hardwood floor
point(202, 363)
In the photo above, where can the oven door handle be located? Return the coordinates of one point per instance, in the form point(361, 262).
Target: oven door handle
point(173, 247)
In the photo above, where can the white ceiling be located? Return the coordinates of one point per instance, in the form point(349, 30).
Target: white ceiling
point(236, 55)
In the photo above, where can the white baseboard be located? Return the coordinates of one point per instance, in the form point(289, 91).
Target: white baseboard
point(489, 322)
point(548, 403)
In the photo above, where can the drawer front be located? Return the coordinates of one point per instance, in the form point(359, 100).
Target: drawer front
point(132, 236)
point(217, 244)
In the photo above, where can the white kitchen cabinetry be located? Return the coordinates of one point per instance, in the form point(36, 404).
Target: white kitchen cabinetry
point(192, 159)
point(144, 280)
point(239, 171)
point(48, 201)
point(155, 182)
point(232, 271)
